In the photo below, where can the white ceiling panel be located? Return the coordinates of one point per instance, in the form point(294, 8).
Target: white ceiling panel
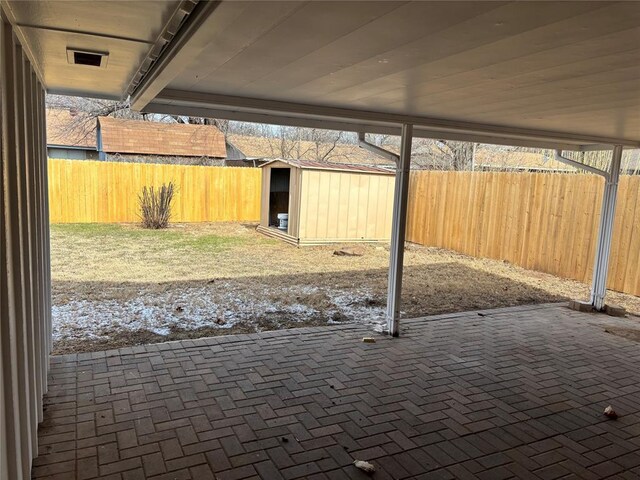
point(557, 66)
point(131, 19)
point(49, 49)
point(564, 69)
point(126, 30)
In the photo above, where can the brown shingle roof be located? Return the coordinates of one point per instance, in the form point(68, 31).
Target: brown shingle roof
point(70, 129)
point(313, 165)
point(155, 138)
point(265, 147)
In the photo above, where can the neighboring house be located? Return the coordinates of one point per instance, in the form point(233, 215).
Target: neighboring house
point(237, 158)
point(69, 136)
point(268, 148)
point(142, 141)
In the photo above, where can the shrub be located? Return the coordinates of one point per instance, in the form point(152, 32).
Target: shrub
point(155, 206)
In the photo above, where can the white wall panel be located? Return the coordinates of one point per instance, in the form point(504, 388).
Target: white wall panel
point(25, 307)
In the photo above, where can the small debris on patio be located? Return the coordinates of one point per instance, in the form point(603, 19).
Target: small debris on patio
point(368, 340)
point(364, 466)
point(610, 412)
point(350, 252)
point(285, 440)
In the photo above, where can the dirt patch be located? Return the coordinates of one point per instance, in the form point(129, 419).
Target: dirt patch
point(628, 333)
point(119, 339)
point(120, 285)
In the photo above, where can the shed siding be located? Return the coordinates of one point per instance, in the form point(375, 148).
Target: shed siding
point(294, 202)
point(264, 202)
point(340, 206)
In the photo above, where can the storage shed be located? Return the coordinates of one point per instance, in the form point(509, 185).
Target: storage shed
point(326, 203)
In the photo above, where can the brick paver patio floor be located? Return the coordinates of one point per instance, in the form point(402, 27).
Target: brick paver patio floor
point(516, 393)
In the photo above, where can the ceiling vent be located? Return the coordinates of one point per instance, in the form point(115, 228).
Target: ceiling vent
point(88, 58)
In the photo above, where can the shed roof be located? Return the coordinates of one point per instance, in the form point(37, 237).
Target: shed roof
point(344, 167)
point(155, 138)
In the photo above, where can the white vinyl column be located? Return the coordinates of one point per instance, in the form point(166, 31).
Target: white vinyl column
point(605, 232)
point(398, 230)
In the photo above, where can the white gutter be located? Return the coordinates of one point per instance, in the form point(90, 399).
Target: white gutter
point(182, 34)
point(362, 143)
point(580, 165)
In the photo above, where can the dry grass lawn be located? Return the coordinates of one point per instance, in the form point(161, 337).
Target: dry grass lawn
point(117, 285)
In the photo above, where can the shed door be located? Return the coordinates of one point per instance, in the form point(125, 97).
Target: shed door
point(278, 194)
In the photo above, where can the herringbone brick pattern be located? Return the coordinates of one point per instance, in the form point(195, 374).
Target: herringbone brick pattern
point(516, 393)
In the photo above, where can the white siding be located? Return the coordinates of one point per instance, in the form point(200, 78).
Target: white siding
point(25, 308)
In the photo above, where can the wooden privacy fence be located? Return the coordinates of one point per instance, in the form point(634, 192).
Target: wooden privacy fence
point(544, 222)
point(104, 192)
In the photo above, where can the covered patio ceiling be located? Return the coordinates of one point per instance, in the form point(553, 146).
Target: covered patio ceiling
point(566, 70)
point(552, 74)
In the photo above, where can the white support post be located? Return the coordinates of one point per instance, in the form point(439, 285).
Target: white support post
point(603, 247)
point(398, 230)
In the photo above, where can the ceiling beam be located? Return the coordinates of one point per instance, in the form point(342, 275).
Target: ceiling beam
point(353, 126)
point(178, 102)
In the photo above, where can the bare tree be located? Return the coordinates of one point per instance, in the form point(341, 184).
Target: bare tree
point(80, 124)
point(222, 125)
point(458, 154)
point(284, 142)
point(93, 107)
point(324, 143)
point(382, 140)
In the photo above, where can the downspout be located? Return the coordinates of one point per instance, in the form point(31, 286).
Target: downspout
point(605, 231)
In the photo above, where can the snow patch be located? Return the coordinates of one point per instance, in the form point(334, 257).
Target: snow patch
point(192, 308)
